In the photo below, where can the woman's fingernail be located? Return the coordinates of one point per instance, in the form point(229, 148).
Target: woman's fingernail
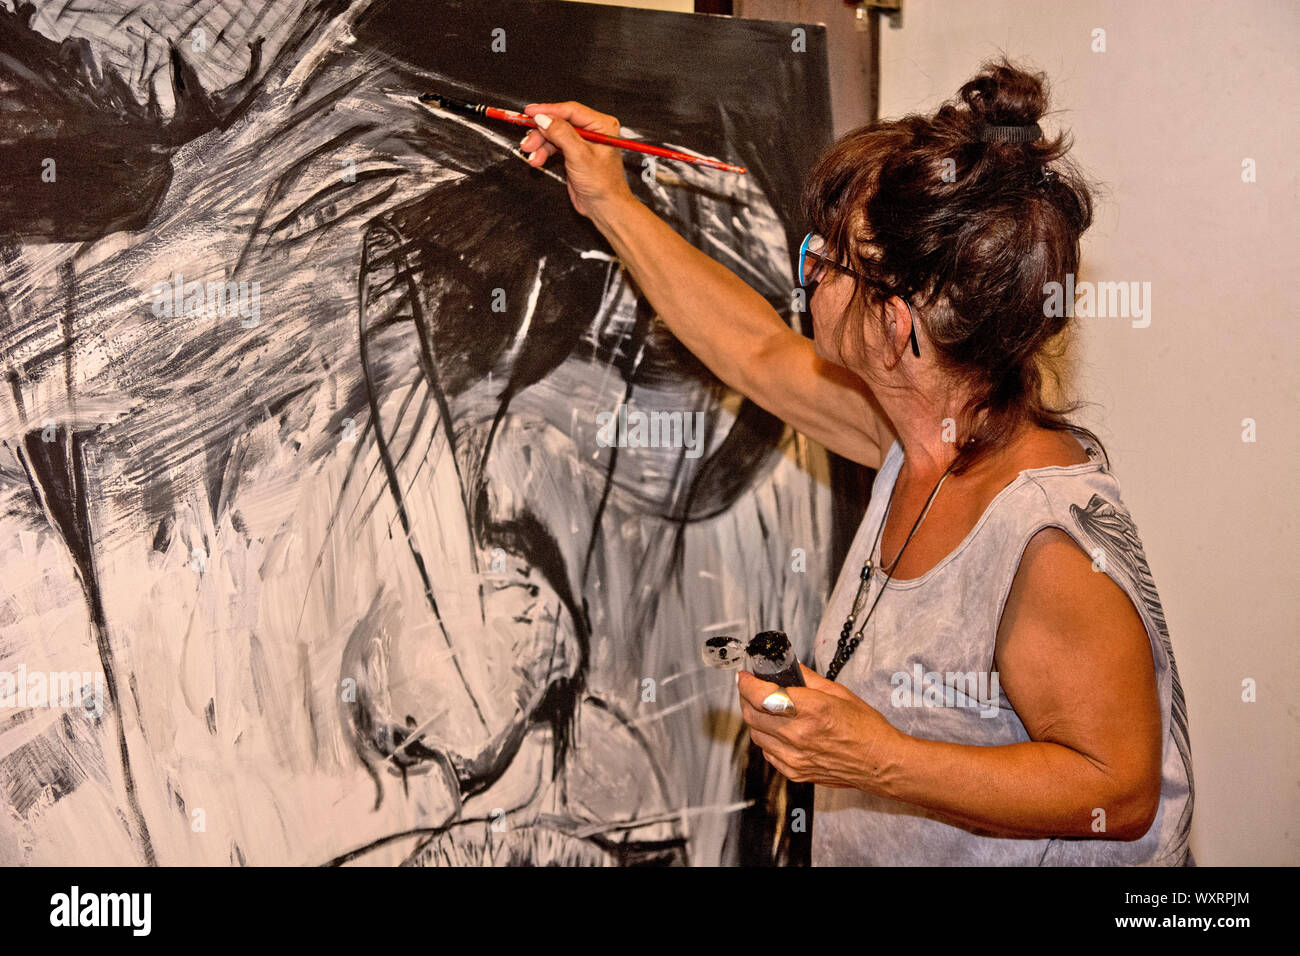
point(524, 140)
point(542, 120)
point(737, 678)
point(531, 155)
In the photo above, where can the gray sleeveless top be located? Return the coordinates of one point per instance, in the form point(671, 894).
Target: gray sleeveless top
point(931, 672)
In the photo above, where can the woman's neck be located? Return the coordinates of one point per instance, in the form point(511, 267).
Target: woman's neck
point(927, 432)
point(929, 451)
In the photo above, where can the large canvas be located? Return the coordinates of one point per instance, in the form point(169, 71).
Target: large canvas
point(312, 547)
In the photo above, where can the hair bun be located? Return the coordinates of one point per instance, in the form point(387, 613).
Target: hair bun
point(1003, 95)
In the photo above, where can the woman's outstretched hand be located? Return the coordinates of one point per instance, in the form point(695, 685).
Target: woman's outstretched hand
point(834, 738)
point(594, 172)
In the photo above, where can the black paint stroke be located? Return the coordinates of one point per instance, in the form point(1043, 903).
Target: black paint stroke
point(58, 476)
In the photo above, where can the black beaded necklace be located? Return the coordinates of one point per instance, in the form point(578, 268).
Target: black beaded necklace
point(849, 640)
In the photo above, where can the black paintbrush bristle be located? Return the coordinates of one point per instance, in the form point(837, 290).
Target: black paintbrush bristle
point(450, 104)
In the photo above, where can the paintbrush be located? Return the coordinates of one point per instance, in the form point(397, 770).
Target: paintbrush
point(522, 119)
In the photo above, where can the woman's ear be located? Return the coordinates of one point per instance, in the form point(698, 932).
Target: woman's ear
point(898, 340)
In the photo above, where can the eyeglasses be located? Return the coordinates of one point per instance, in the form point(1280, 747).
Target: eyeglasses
point(812, 266)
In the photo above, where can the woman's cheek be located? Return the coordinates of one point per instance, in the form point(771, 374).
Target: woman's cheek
point(825, 318)
point(821, 334)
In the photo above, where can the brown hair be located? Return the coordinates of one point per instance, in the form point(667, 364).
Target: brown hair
point(968, 231)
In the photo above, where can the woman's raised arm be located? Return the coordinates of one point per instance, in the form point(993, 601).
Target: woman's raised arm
point(726, 323)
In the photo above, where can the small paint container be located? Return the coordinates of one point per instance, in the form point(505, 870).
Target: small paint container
point(771, 657)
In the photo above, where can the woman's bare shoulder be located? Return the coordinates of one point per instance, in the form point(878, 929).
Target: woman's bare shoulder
point(1044, 447)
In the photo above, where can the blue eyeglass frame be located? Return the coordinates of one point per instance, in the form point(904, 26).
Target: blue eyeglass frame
point(804, 252)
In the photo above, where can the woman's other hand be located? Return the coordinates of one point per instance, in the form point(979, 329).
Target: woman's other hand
point(834, 738)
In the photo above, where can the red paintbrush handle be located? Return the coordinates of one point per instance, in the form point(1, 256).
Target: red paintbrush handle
point(521, 119)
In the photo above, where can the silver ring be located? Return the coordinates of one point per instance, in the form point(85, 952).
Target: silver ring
point(778, 702)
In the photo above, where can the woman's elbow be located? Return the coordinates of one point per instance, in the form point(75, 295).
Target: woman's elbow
point(1136, 807)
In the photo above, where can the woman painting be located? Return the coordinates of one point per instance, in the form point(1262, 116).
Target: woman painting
point(994, 680)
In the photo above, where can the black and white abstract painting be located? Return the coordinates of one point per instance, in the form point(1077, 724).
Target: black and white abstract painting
point(311, 548)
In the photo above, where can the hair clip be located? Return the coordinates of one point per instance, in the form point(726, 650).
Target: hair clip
point(1009, 134)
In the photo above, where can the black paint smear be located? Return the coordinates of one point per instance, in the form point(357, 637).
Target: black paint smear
point(628, 370)
point(387, 269)
point(57, 473)
point(385, 247)
point(28, 775)
point(469, 238)
point(555, 53)
point(529, 537)
point(583, 851)
point(112, 154)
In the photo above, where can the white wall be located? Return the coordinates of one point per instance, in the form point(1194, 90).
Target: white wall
point(1184, 92)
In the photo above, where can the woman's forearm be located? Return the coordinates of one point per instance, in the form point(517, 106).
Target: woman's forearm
point(1031, 789)
point(711, 310)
